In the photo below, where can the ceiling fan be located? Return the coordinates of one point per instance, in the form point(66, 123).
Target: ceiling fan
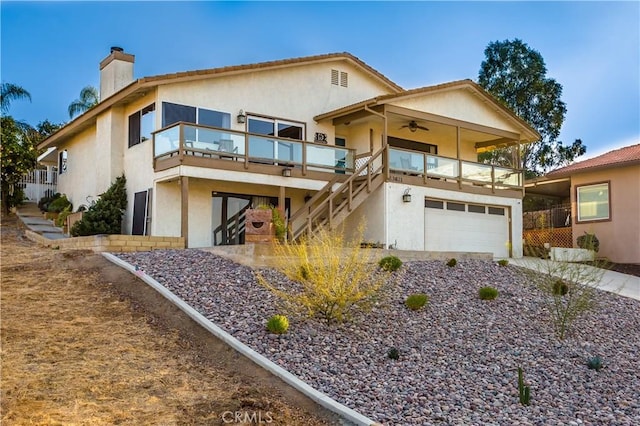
point(413, 126)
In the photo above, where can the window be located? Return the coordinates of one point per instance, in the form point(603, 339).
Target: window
point(473, 208)
point(141, 124)
point(499, 211)
point(593, 202)
point(434, 204)
point(455, 206)
point(173, 113)
point(276, 127)
point(62, 162)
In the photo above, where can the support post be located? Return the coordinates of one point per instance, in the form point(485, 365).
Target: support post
point(184, 209)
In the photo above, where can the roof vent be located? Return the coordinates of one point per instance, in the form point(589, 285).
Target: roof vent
point(116, 49)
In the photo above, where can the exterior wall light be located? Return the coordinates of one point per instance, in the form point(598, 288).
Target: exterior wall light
point(242, 117)
point(406, 197)
point(286, 172)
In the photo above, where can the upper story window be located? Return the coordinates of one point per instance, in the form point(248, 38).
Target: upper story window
point(141, 124)
point(276, 127)
point(593, 202)
point(173, 113)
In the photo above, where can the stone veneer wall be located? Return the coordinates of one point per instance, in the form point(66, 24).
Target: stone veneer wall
point(110, 243)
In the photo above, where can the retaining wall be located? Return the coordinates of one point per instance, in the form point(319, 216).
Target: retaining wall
point(110, 243)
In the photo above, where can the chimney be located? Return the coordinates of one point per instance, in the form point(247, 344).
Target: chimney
point(116, 72)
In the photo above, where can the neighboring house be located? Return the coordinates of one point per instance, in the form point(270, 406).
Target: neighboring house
point(604, 193)
point(327, 138)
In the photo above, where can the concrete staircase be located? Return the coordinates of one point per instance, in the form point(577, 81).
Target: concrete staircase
point(32, 217)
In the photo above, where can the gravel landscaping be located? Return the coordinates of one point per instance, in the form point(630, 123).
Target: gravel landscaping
point(458, 356)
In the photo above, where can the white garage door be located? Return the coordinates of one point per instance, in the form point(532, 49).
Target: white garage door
point(465, 227)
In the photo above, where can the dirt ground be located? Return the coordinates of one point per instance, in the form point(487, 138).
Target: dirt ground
point(86, 343)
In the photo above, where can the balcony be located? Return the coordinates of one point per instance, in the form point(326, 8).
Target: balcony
point(414, 164)
point(189, 144)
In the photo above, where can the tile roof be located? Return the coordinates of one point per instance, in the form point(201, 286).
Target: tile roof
point(627, 155)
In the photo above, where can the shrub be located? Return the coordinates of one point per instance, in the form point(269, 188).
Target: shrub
point(278, 324)
point(61, 220)
point(568, 291)
point(594, 363)
point(59, 204)
point(105, 216)
point(452, 262)
point(390, 263)
point(335, 277)
point(393, 353)
point(589, 242)
point(44, 202)
point(488, 293)
point(503, 262)
point(560, 288)
point(416, 301)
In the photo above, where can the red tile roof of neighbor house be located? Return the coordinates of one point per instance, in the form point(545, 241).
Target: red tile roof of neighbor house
point(628, 155)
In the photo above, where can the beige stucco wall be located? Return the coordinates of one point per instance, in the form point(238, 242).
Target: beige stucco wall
point(166, 209)
point(620, 237)
point(137, 161)
point(294, 93)
point(389, 220)
point(460, 104)
point(79, 181)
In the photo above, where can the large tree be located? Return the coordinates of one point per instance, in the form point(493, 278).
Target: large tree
point(89, 98)
point(516, 75)
point(18, 156)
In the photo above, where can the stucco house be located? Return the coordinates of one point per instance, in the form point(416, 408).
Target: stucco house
point(604, 193)
point(327, 138)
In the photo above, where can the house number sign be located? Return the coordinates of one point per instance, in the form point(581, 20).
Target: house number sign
point(320, 137)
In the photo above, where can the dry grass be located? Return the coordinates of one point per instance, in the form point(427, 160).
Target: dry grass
point(74, 353)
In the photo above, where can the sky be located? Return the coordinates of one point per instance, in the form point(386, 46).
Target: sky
point(592, 49)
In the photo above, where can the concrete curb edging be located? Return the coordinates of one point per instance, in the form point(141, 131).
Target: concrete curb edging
point(319, 397)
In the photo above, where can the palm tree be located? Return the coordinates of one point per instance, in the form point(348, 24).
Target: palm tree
point(11, 92)
point(89, 98)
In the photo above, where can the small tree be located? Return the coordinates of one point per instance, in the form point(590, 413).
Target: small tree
point(105, 216)
point(335, 276)
point(572, 301)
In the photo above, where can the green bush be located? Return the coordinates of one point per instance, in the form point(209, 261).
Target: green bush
point(44, 202)
point(393, 353)
point(62, 217)
point(488, 293)
point(589, 242)
point(503, 262)
point(560, 288)
point(595, 363)
point(390, 263)
point(278, 324)
point(105, 216)
point(416, 301)
point(59, 204)
point(452, 262)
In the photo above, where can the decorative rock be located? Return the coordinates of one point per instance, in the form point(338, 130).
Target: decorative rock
point(460, 356)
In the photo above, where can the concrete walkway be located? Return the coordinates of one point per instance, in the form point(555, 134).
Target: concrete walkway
point(32, 217)
point(611, 281)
